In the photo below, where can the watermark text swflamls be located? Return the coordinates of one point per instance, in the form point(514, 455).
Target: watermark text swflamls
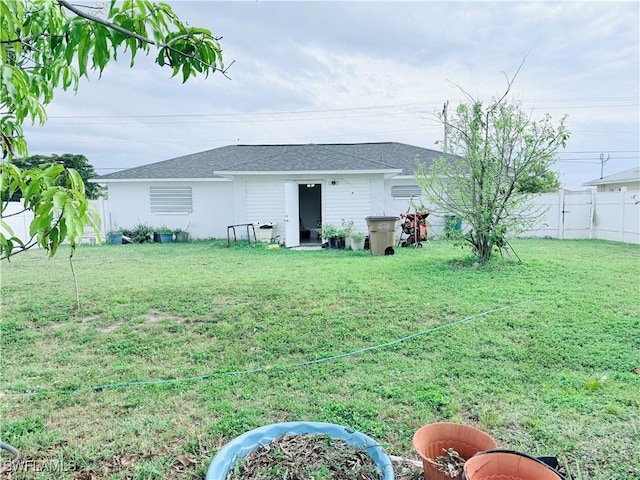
point(50, 465)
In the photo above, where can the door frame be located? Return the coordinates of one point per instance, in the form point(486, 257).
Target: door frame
point(292, 217)
point(291, 214)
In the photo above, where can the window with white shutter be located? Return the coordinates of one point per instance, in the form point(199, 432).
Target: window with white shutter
point(406, 191)
point(171, 199)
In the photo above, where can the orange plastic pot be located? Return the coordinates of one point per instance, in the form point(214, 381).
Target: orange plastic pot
point(432, 440)
point(500, 465)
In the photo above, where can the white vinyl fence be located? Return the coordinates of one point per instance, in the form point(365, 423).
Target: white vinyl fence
point(589, 214)
point(19, 220)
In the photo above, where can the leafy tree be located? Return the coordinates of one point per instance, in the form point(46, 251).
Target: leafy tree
point(60, 211)
point(50, 44)
point(543, 181)
point(501, 155)
point(79, 163)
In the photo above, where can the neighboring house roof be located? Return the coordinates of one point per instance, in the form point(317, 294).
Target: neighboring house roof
point(627, 176)
point(389, 157)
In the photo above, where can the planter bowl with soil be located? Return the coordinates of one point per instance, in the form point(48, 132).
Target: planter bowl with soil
point(240, 447)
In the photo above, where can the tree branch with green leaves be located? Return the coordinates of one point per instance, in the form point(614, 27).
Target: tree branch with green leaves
point(47, 45)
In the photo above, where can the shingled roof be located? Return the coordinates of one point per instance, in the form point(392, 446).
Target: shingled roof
point(389, 157)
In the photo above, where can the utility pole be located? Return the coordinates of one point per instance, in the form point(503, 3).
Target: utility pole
point(446, 124)
point(602, 162)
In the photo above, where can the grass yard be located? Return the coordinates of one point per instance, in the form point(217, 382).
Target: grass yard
point(558, 375)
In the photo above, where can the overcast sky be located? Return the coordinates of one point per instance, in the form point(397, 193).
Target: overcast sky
point(342, 72)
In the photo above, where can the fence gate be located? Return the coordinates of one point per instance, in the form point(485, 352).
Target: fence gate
point(575, 213)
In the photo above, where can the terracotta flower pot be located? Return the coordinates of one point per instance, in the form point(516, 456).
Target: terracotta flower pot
point(498, 465)
point(432, 440)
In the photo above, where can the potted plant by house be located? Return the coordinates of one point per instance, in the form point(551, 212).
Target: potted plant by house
point(344, 233)
point(139, 233)
point(357, 240)
point(329, 233)
point(115, 237)
point(182, 236)
point(165, 234)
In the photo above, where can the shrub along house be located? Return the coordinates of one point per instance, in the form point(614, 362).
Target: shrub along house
point(294, 187)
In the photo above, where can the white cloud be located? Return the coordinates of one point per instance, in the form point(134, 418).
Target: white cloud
point(348, 57)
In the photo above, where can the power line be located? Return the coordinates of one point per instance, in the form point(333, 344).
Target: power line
point(204, 120)
point(279, 112)
point(619, 132)
point(249, 139)
point(360, 108)
point(585, 106)
point(598, 151)
point(577, 161)
point(575, 99)
point(599, 159)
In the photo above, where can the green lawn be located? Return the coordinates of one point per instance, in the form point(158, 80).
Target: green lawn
point(556, 375)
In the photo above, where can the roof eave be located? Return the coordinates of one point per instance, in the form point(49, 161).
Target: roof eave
point(152, 179)
point(311, 172)
point(595, 183)
point(404, 175)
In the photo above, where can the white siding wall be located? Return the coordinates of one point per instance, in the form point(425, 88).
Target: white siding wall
point(255, 199)
point(265, 203)
point(379, 197)
point(616, 187)
point(350, 199)
point(129, 204)
point(240, 201)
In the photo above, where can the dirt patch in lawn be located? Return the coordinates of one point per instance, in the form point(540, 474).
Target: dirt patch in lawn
point(151, 318)
point(155, 317)
point(110, 328)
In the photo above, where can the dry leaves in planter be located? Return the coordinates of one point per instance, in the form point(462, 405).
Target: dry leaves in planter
point(301, 457)
point(450, 463)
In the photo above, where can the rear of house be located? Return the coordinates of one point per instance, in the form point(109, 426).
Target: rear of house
point(291, 189)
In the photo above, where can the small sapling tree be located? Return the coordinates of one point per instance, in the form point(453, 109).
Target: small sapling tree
point(499, 155)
